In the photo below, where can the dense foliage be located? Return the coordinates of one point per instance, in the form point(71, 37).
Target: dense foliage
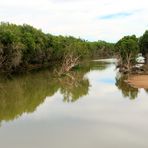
point(128, 50)
point(143, 42)
point(23, 47)
point(101, 49)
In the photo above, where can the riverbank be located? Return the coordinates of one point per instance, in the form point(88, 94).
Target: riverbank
point(138, 81)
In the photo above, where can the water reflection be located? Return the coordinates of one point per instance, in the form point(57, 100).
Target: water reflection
point(93, 109)
point(125, 88)
point(146, 90)
point(24, 94)
point(73, 86)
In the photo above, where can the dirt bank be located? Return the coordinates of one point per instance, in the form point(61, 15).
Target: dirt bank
point(138, 81)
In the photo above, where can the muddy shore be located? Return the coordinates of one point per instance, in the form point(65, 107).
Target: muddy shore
point(138, 81)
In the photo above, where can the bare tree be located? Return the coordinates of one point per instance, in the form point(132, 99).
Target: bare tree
point(70, 60)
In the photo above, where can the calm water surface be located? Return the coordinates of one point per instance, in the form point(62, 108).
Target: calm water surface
point(91, 108)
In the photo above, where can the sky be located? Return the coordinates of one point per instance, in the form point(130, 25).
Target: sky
point(91, 20)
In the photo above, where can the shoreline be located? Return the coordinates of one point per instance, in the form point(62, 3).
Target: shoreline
point(138, 81)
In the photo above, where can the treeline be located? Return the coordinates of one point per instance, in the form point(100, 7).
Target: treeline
point(23, 47)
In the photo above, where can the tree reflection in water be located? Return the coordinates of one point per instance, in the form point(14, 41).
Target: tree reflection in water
point(146, 90)
point(73, 86)
point(125, 88)
point(23, 94)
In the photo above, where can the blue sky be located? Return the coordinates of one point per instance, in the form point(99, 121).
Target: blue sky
point(116, 15)
point(107, 20)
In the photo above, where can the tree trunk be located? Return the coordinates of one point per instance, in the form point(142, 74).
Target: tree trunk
point(69, 61)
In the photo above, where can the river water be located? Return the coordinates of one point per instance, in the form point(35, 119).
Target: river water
point(92, 107)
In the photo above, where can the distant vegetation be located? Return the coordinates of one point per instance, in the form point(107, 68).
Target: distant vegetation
point(23, 47)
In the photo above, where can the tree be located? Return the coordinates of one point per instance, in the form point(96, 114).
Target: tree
point(101, 49)
point(127, 49)
point(10, 46)
point(143, 42)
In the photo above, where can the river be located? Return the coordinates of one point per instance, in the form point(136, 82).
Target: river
point(92, 107)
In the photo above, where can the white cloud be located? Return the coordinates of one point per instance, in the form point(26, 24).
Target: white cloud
point(80, 18)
